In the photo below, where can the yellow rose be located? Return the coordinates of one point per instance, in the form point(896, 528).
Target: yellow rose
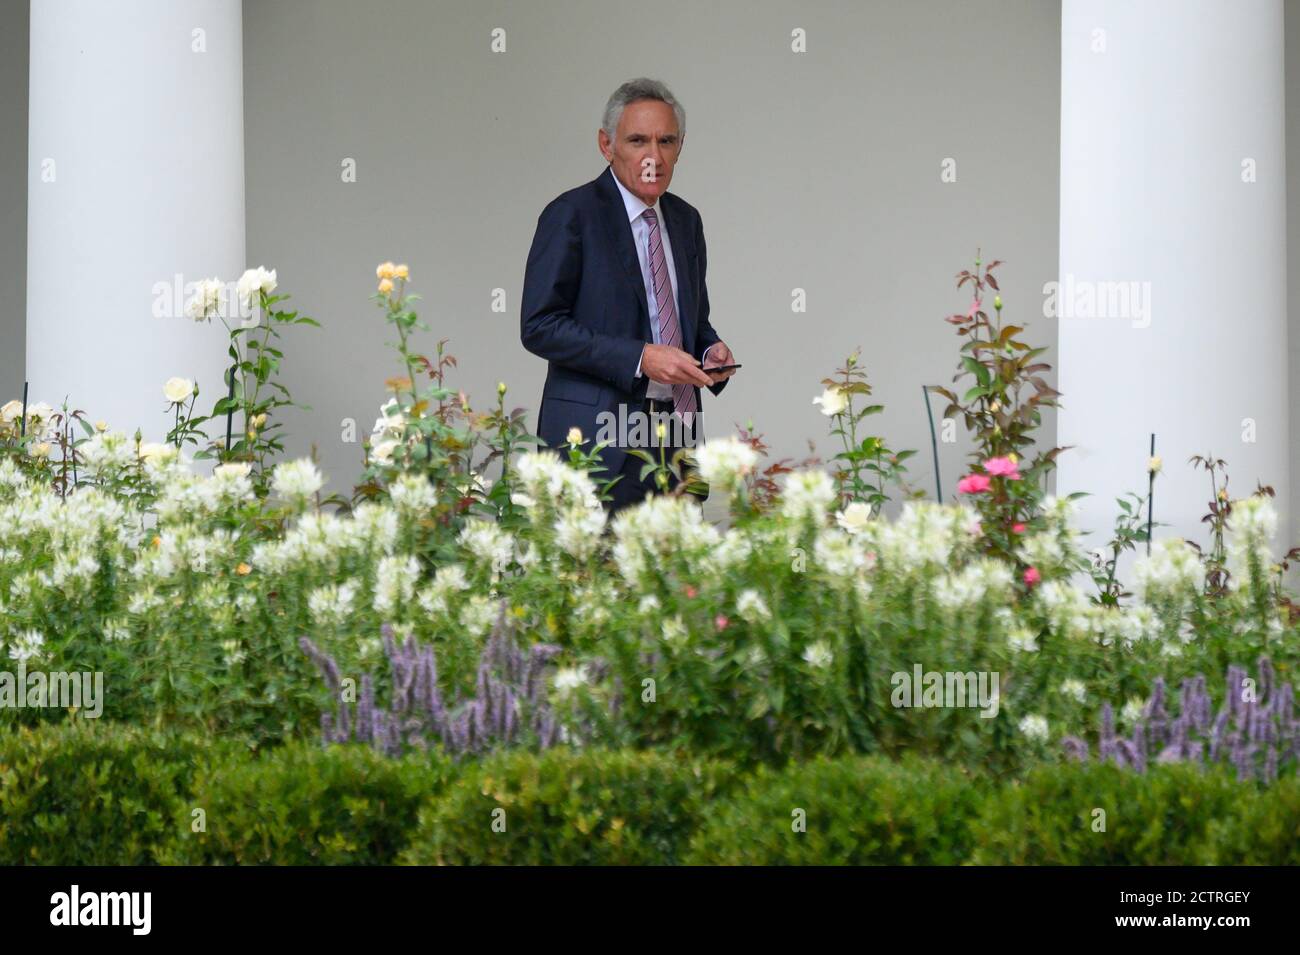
point(401, 272)
point(575, 436)
point(386, 286)
point(385, 271)
point(41, 450)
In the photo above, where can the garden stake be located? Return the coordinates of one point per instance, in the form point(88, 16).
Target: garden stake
point(230, 409)
point(934, 444)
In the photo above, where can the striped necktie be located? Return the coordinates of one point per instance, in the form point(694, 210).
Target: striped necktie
point(670, 331)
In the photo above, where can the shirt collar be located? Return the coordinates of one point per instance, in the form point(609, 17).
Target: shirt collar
point(634, 206)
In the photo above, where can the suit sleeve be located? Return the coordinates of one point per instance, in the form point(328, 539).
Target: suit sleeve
point(547, 326)
point(705, 336)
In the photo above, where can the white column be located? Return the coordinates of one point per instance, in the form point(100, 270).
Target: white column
point(136, 176)
point(1173, 169)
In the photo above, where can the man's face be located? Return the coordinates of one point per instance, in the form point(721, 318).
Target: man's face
point(645, 148)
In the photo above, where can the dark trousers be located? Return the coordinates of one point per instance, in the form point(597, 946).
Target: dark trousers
point(631, 489)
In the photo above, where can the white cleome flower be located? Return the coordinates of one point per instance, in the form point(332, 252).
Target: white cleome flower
point(27, 646)
point(332, 605)
point(1075, 690)
point(412, 495)
point(569, 679)
point(488, 543)
point(579, 531)
point(818, 655)
point(806, 495)
point(1251, 527)
point(1035, 727)
point(295, 481)
point(751, 606)
point(725, 462)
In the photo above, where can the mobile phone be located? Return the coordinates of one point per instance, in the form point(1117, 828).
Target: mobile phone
point(722, 368)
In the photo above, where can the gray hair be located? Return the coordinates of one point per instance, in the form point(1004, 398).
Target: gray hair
point(639, 89)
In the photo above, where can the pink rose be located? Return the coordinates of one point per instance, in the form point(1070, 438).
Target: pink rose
point(720, 622)
point(1002, 467)
point(973, 484)
point(1017, 528)
point(1032, 576)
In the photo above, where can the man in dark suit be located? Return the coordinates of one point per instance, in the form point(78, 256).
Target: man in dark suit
point(614, 297)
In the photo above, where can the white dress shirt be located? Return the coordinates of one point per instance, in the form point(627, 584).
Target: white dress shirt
point(641, 239)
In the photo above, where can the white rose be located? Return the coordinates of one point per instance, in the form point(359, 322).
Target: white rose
point(207, 299)
point(177, 390)
point(254, 280)
point(855, 517)
point(11, 411)
point(234, 469)
point(152, 451)
point(833, 401)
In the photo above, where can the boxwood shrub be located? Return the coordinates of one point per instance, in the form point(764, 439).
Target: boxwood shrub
point(85, 793)
point(304, 804)
point(850, 811)
point(565, 807)
point(1172, 815)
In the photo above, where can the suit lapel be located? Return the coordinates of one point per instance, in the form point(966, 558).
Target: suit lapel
point(619, 230)
point(614, 215)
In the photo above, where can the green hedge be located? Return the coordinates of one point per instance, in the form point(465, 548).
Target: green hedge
point(304, 804)
point(853, 811)
point(1172, 815)
point(569, 808)
point(82, 793)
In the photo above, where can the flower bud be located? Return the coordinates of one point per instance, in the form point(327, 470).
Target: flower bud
point(997, 302)
point(575, 436)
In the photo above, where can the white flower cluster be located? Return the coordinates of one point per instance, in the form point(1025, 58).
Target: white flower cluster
point(489, 545)
point(984, 580)
point(1170, 575)
point(1251, 528)
point(296, 481)
point(546, 481)
point(725, 462)
point(807, 495)
point(389, 431)
point(658, 530)
point(925, 535)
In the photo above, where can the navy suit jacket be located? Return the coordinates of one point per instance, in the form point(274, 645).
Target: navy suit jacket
point(584, 309)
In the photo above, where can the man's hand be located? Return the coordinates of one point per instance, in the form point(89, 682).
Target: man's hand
point(670, 365)
point(719, 354)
